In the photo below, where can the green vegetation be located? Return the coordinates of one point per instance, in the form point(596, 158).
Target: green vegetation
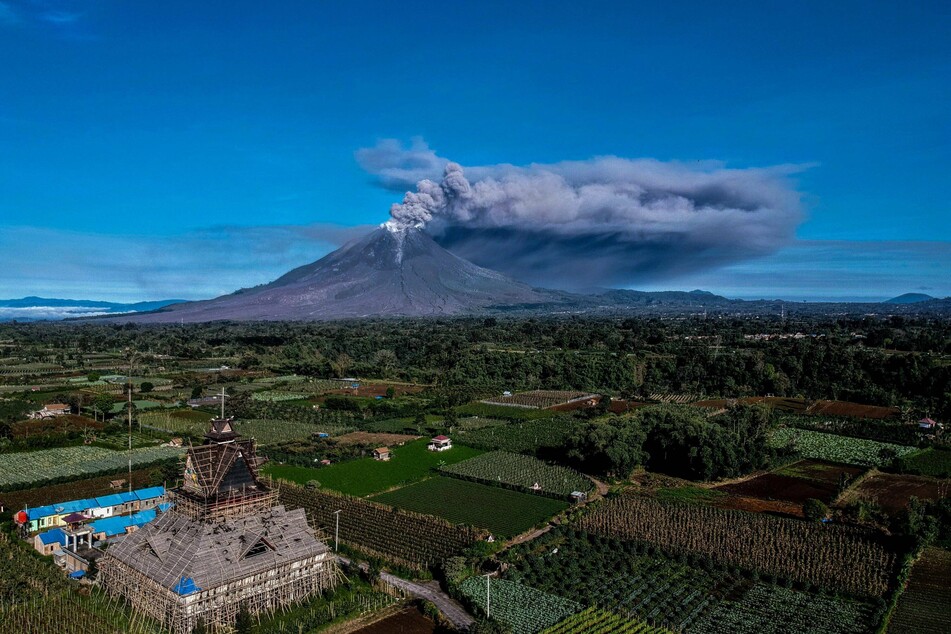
point(823, 446)
point(595, 620)
point(524, 609)
point(489, 410)
point(521, 437)
point(766, 609)
point(520, 472)
point(506, 513)
point(678, 440)
point(29, 469)
point(687, 594)
point(933, 461)
point(366, 476)
point(840, 557)
point(409, 539)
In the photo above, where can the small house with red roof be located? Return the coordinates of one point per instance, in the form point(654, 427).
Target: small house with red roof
point(440, 443)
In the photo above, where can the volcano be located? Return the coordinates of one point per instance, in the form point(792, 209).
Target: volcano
point(387, 273)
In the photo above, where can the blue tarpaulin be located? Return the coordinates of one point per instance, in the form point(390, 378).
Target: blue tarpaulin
point(185, 586)
point(77, 574)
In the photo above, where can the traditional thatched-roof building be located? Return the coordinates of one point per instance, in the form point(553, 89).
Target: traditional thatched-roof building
point(224, 544)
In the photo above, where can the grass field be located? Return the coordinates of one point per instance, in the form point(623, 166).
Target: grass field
point(504, 512)
point(366, 476)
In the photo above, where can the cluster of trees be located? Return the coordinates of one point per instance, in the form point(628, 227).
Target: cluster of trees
point(676, 440)
point(895, 361)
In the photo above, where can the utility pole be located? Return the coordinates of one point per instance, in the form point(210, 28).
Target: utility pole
point(337, 529)
point(222, 403)
point(487, 593)
point(130, 434)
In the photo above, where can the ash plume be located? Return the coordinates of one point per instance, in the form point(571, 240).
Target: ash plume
point(607, 221)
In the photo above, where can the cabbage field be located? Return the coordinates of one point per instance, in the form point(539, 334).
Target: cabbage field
point(26, 469)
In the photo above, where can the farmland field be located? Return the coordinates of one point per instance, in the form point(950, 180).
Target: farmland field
point(520, 437)
point(765, 609)
point(523, 472)
point(822, 446)
point(595, 620)
point(539, 399)
point(22, 470)
point(408, 538)
point(506, 513)
point(366, 476)
point(846, 558)
point(491, 410)
point(933, 461)
point(369, 438)
point(893, 492)
point(183, 421)
point(796, 483)
point(74, 489)
point(632, 580)
point(923, 607)
point(525, 610)
point(853, 410)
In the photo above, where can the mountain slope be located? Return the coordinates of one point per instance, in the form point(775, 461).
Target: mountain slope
point(385, 273)
point(909, 298)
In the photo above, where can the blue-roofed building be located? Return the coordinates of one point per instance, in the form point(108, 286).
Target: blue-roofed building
point(50, 541)
point(109, 505)
point(149, 498)
point(51, 515)
point(111, 526)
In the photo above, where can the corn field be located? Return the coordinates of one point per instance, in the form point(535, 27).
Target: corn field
point(839, 557)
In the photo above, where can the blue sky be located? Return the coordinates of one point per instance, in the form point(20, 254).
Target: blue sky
point(150, 150)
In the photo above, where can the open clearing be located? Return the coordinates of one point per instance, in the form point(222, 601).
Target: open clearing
point(504, 512)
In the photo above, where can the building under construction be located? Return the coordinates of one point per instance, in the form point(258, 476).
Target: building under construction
point(225, 543)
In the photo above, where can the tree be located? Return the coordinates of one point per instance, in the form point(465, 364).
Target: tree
point(815, 510)
point(197, 391)
point(342, 364)
point(146, 387)
point(612, 447)
point(244, 623)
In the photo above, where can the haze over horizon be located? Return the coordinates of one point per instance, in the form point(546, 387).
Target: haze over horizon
point(185, 151)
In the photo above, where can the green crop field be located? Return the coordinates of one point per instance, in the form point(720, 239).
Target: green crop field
point(26, 469)
point(521, 436)
point(523, 472)
point(823, 446)
point(366, 476)
point(934, 461)
point(525, 610)
point(489, 410)
point(504, 512)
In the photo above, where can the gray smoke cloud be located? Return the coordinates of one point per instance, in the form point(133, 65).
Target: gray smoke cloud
point(607, 221)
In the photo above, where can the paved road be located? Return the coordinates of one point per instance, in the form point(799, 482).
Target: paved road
point(430, 591)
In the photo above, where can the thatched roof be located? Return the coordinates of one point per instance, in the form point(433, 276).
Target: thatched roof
point(174, 547)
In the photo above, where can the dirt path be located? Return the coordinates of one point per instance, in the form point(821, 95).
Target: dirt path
point(430, 591)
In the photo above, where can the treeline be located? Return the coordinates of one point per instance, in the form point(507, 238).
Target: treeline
point(677, 440)
point(894, 361)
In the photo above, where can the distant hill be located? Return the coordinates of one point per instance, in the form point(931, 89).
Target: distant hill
point(909, 298)
point(46, 308)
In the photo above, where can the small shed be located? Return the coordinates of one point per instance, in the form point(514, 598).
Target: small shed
point(927, 423)
point(440, 443)
point(381, 453)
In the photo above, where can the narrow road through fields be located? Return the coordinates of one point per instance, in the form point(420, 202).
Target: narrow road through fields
point(430, 591)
